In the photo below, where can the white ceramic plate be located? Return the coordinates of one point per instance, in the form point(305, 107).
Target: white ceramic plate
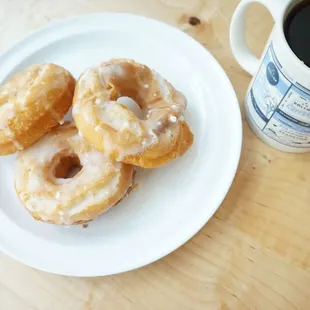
point(171, 203)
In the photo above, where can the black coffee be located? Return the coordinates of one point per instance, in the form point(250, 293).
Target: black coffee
point(297, 30)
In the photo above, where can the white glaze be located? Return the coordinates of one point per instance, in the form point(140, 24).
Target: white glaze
point(8, 113)
point(94, 165)
point(131, 105)
point(165, 90)
point(168, 111)
point(111, 70)
point(21, 91)
point(172, 119)
point(110, 113)
point(100, 195)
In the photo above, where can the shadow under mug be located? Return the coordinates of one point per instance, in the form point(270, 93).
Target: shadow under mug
point(277, 102)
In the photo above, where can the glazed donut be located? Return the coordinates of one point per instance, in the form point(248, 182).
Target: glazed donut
point(31, 103)
point(153, 138)
point(63, 180)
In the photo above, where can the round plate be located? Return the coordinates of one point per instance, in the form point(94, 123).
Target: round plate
point(170, 204)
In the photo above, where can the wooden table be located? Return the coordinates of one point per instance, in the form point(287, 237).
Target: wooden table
point(253, 254)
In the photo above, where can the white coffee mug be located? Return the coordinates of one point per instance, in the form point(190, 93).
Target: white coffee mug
point(278, 99)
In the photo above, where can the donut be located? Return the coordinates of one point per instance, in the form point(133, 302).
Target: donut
point(63, 180)
point(31, 103)
point(149, 135)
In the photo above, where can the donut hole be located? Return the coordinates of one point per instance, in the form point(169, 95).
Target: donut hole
point(131, 105)
point(67, 167)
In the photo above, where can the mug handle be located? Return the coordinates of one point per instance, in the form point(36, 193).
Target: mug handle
point(238, 44)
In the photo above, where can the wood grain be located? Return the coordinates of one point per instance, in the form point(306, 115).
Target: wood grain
point(253, 254)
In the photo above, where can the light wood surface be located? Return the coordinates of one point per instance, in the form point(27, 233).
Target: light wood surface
point(253, 254)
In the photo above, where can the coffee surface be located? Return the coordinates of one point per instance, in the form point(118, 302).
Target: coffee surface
point(297, 30)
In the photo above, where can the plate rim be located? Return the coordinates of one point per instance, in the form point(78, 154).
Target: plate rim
point(237, 145)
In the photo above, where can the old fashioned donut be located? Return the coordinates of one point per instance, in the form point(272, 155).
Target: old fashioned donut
point(31, 103)
point(63, 180)
point(150, 135)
